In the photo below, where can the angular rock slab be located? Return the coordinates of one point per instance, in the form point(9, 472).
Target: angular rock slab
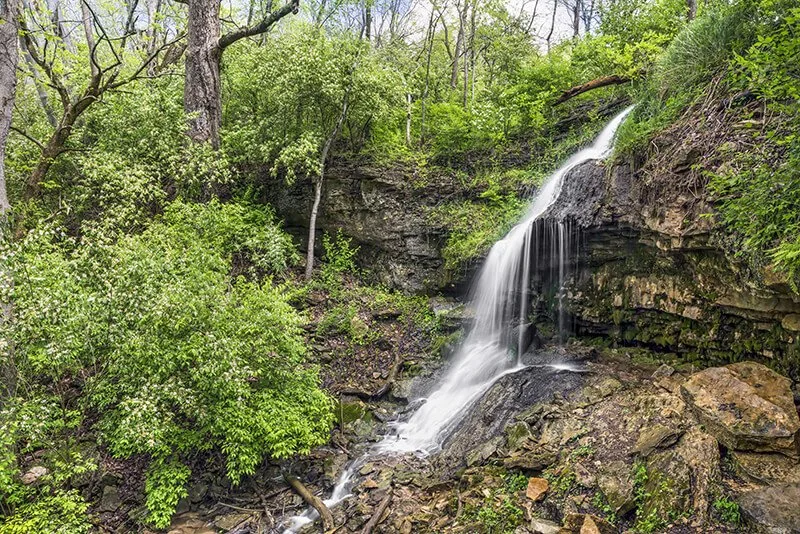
point(586, 524)
point(766, 468)
point(536, 489)
point(775, 509)
point(746, 406)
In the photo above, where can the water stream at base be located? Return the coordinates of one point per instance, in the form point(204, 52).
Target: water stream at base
point(500, 299)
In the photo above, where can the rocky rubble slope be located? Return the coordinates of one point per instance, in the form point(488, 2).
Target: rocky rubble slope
point(601, 443)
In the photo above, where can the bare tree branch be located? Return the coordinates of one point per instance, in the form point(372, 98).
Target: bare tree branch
point(229, 38)
point(145, 63)
point(28, 137)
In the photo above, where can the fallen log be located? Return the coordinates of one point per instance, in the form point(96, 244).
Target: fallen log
point(378, 515)
point(597, 83)
point(312, 500)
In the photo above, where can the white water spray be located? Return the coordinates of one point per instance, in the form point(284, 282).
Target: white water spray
point(500, 298)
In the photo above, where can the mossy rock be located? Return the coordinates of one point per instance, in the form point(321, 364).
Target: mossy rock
point(516, 435)
point(349, 412)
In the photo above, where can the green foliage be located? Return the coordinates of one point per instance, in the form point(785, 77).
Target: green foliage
point(698, 53)
point(343, 319)
point(339, 260)
point(769, 67)
point(340, 254)
point(33, 423)
point(179, 356)
point(133, 157)
point(242, 231)
point(165, 485)
point(601, 503)
point(475, 225)
point(496, 202)
point(64, 512)
point(286, 122)
point(561, 481)
point(728, 510)
point(515, 482)
point(704, 48)
point(758, 192)
point(499, 515)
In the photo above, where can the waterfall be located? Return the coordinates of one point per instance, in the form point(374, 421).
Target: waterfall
point(500, 299)
point(502, 283)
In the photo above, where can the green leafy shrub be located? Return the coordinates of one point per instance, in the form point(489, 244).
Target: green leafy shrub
point(165, 485)
point(177, 356)
point(339, 259)
point(698, 53)
point(64, 512)
point(758, 192)
point(728, 510)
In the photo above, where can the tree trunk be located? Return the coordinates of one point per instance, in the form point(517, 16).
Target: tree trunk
point(459, 46)
point(587, 17)
point(9, 56)
point(597, 83)
point(692, 4)
point(202, 97)
point(152, 33)
point(376, 518)
point(312, 222)
point(576, 19)
point(552, 24)
point(408, 119)
point(429, 42)
point(472, 50)
point(55, 145)
point(312, 500)
point(368, 20)
point(466, 61)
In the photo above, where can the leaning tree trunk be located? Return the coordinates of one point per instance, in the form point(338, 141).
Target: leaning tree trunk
point(56, 144)
point(312, 222)
point(202, 94)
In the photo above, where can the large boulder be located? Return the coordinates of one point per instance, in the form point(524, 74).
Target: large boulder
point(746, 406)
point(680, 479)
point(774, 509)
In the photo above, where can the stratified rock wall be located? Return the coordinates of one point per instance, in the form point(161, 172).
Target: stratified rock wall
point(383, 211)
point(652, 274)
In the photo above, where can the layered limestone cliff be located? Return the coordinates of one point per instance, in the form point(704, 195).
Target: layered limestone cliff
point(384, 211)
point(652, 270)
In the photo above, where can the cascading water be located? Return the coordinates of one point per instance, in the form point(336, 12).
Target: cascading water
point(500, 299)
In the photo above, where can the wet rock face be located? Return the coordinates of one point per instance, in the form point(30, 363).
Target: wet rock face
point(474, 439)
point(384, 214)
point(747, 406)
point(648, 272)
